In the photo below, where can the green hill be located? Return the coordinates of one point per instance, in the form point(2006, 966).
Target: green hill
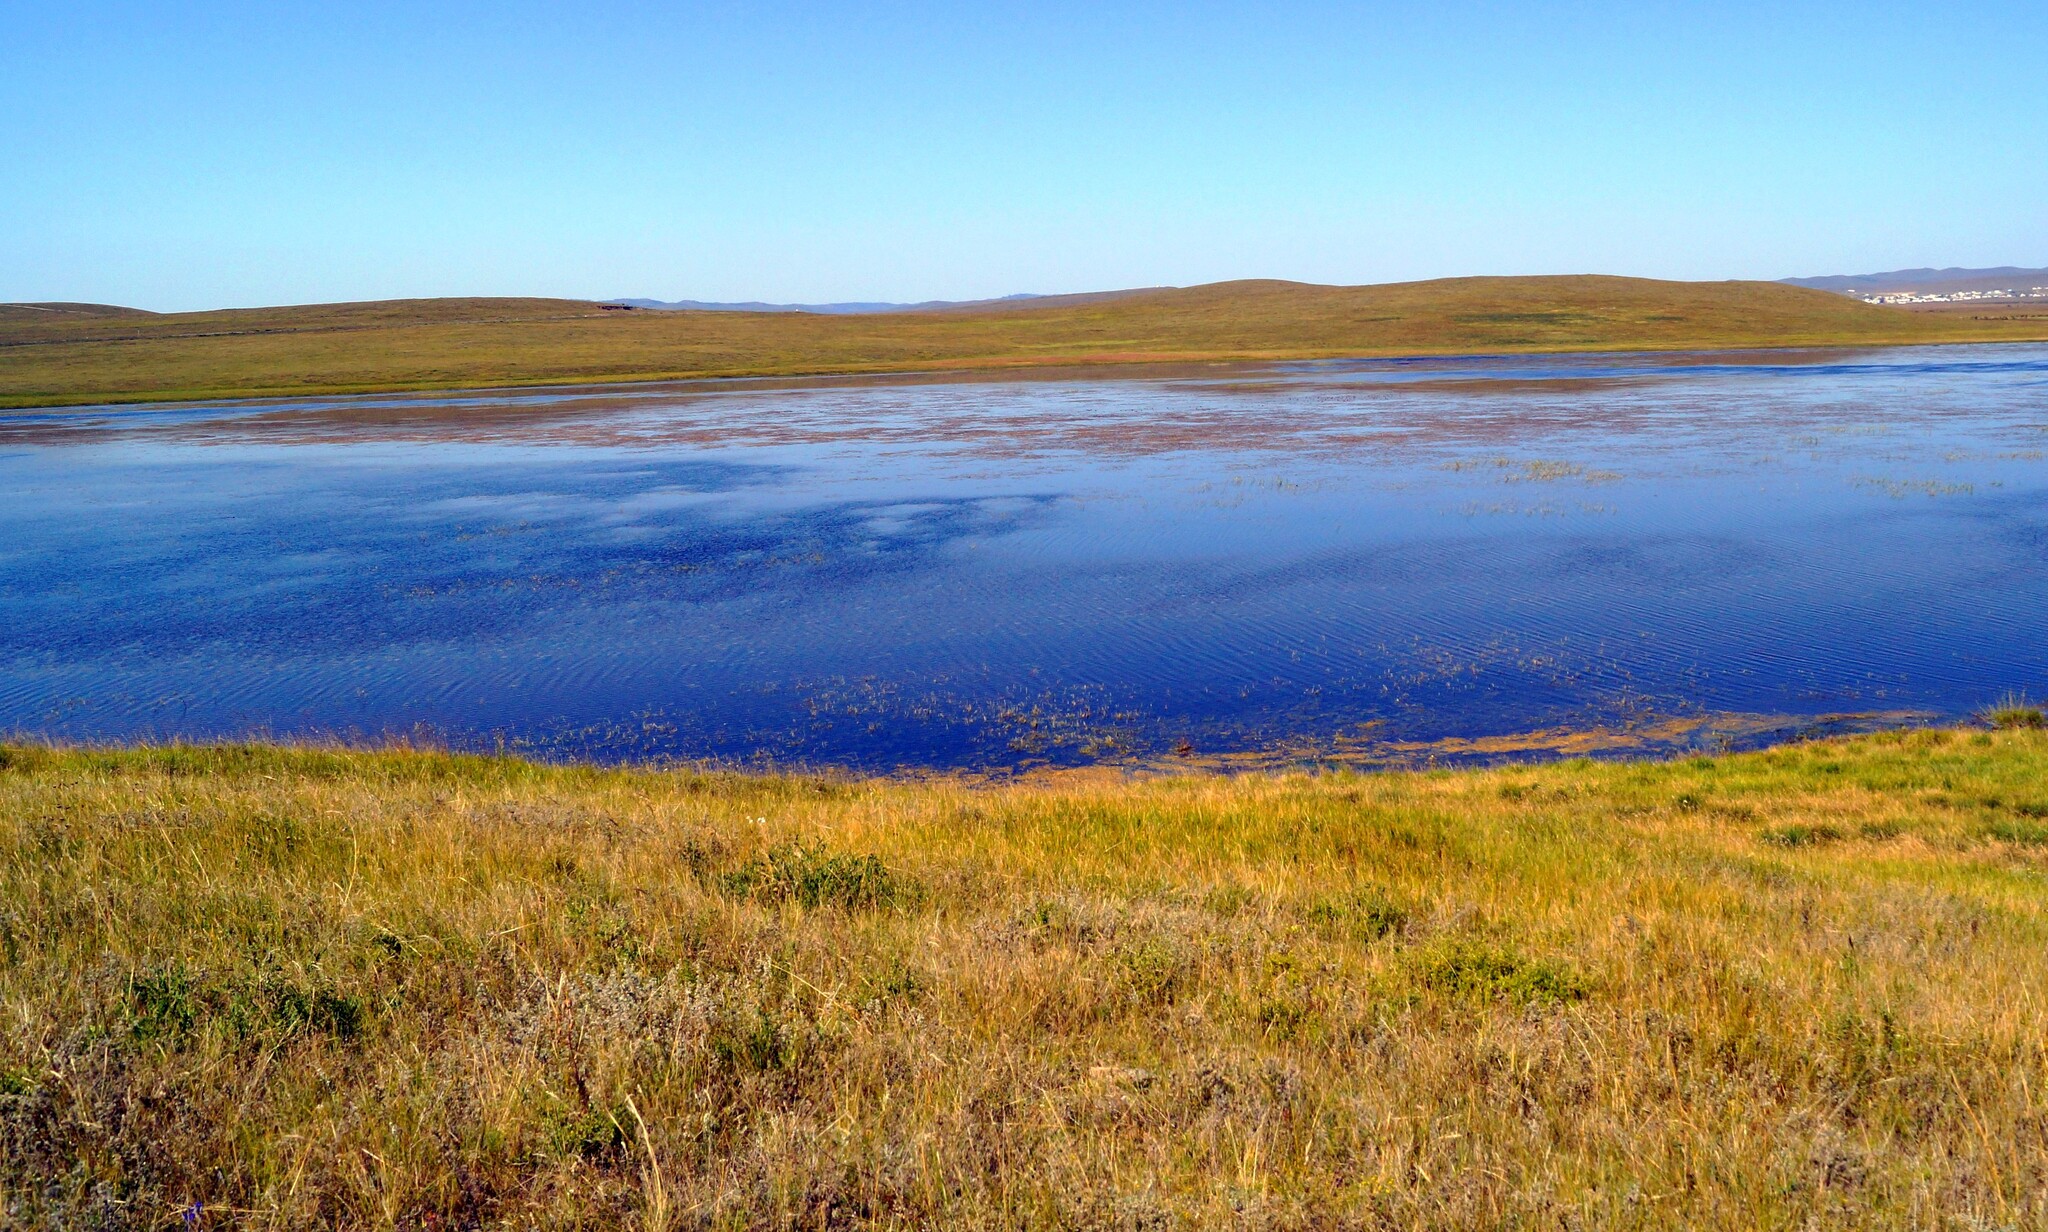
point(68, 354)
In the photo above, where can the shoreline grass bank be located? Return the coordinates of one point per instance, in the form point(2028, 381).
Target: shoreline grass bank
point(258, 987)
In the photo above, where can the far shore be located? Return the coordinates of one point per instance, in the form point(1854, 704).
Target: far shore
point(424, 346)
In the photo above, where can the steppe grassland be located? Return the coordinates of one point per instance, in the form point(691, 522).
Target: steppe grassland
point(1798, 988)
point(63, 358)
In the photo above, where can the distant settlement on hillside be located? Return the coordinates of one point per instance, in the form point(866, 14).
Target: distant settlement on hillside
point(1948, 297)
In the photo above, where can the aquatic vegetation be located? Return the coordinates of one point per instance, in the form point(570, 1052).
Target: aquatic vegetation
point(1900, 489)
point(269, 987)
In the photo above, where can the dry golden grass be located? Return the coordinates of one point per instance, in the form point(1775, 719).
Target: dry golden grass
point(69, 357)
point(1796, 989)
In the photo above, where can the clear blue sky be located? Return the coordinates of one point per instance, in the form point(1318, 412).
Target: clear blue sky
point(207, 154)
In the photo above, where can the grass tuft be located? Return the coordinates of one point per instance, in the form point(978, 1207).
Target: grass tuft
point(1801, 834)
point(814, 877)
point(1367, 912)
point(2013, 711)
point(2024, 831)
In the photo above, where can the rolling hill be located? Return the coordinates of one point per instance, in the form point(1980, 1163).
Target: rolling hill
point(88, 354)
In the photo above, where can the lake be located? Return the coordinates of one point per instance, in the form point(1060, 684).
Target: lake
point(1355, 562)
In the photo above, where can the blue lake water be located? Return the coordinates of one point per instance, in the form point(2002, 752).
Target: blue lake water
point(1360, 561)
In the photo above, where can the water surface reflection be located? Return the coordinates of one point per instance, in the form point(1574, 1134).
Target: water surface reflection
point(1363, 561)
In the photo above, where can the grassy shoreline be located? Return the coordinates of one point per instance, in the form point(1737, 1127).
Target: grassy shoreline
point(89, 357)
point(1794, 988)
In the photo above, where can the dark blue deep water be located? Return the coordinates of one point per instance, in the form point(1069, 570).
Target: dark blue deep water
point(1353, 561)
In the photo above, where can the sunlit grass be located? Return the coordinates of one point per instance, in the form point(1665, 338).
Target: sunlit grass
point(396, 989)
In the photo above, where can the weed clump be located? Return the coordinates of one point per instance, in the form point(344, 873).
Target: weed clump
point(1151, 971)
point(754, 1043)
point(2024, 833)
point(1468, 971)
point(593, 1135)
point(1367, 912)
point(896, 982)
point(169, 1005)
point(23, 758)
point(161, 1005)
point(815, 877)
point(1800, 834)
point(2014, 712)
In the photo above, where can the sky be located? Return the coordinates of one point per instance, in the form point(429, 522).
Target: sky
point(206, 154)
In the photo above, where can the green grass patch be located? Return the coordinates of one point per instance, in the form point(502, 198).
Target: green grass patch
point(169, 1005)
point(1477, 971)
point(815, 877)
point(1367, 912)
point(2025, 831)
point(1802, 834)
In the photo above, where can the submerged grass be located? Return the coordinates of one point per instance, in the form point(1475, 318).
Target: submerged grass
point(271, 988)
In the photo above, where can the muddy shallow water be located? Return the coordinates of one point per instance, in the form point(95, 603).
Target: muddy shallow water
point(1366, 561)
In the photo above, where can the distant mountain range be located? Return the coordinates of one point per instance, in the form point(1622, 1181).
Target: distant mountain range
point(1928, 281)
point(845, 309)
point(1894, 282)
